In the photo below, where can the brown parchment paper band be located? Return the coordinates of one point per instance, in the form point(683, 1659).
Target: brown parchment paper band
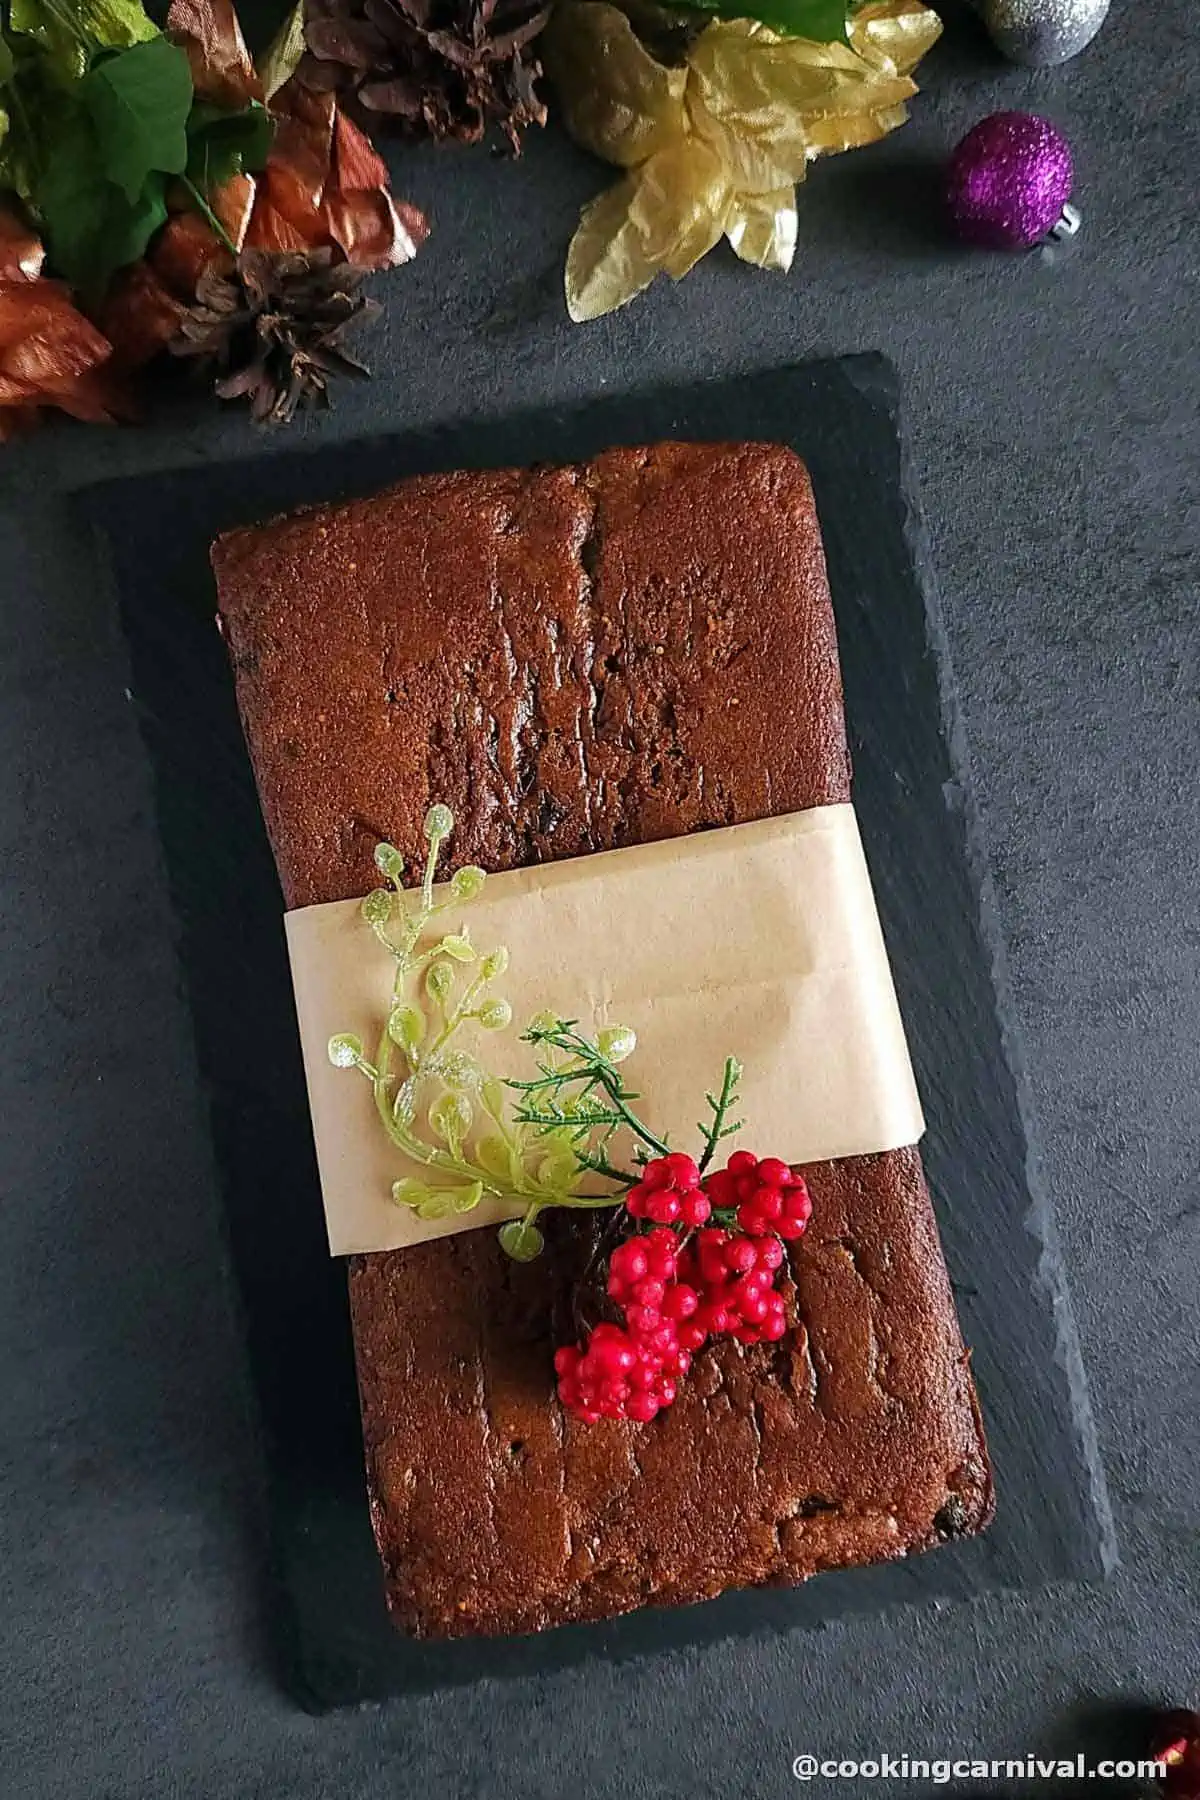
point(758, 941)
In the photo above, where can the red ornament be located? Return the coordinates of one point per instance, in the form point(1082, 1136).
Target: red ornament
point(1176, 1742)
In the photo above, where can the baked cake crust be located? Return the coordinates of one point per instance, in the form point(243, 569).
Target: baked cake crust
point(577, 659)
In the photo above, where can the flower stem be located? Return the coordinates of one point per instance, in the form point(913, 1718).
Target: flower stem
point(615, 1094)
point(454, 1020)
point(431, 862)
point(601, 1166)
point(207, 213)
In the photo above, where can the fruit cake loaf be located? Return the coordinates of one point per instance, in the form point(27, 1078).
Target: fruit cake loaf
point(576, 659)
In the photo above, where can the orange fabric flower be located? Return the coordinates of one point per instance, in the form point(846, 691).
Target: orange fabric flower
point(50, 355)
point(325, 187)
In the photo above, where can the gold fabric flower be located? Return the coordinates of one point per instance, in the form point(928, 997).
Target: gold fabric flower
point(714, 146)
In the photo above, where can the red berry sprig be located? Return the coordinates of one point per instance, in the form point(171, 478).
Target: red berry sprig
point(768, 1198)
point(631, 1372)
point(685, 1281)
point(736, 1275)
point(669, 1192)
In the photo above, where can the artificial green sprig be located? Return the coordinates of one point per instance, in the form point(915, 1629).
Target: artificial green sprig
point(98, 117)
point(439, 1105)
point(580, 1092)
point(720, 1105)
point(436, 1101)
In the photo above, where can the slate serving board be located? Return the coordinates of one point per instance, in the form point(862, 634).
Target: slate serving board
point(324, 1588)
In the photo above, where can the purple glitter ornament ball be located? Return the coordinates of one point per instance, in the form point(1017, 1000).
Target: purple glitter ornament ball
point(1009, 180)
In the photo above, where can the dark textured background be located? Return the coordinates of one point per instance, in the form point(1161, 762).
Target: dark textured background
point(1051, 411)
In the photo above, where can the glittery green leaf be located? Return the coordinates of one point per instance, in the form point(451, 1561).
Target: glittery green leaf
point(406, 1026)
point(450, 1118)
point(410, 1191)
point(458, 1070)
point(521, 1241)
point(467, 882)
point(389, 861)
point(493, 1096)
point(376, 908)
point(494, 1157)
point(439, 979)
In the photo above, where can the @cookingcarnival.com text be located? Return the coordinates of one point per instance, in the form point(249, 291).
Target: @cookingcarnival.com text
point(942, 1769)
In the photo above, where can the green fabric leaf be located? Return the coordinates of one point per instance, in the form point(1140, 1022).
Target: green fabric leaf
point(57, 30)
point(439, 979)
point(388, 859)
point(823, 21)
point(139, 101)
point(7, 65)
point(73, 196)
point(93, 228)
point(39, 105)
point(279, 63)
point(15, 171)
point(224, 144)
point(70, 32)
point(117, 24)
point(135, 225)
point(558, 1172)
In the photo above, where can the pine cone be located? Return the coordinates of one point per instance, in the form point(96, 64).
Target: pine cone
point(272, 328)
point(430, 68)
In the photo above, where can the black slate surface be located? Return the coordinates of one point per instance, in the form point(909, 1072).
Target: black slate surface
point(916, 818)
point(1050, 416)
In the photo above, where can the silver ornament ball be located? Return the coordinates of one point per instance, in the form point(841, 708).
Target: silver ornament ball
point(1040, 33)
